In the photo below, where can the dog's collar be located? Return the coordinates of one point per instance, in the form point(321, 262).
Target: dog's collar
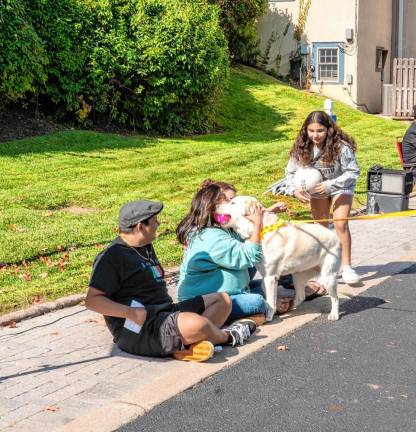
point(271, 228)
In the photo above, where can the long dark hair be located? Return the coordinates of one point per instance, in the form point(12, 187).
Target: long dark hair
point(302, 150)
point(202, 211)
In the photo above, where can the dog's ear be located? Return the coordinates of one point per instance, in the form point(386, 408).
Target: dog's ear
point(248, 204)
point(269, 218)
point(244, 227)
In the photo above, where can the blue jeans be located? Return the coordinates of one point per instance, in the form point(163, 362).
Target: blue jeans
point(285, 281)
point(249, 303)
point(253, 303)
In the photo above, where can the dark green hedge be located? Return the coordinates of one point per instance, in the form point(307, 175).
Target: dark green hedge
point(157, 65)
point(239, 22)
point(163, 62)
point(23, 58)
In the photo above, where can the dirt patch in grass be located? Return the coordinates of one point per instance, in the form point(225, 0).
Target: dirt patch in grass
point(75, 210)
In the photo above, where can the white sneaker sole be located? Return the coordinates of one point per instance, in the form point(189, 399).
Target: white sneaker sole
point(351, 281)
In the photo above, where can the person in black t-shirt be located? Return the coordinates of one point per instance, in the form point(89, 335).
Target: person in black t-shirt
point(127, 286)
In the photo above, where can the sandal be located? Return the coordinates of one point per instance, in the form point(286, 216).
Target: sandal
point(198, 352)
point(315, 290)
point(283, 305)
point(259, 319)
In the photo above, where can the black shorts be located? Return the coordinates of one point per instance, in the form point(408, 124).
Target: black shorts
point(159, 336)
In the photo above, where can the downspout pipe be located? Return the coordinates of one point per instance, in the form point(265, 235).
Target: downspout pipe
point(400, 30)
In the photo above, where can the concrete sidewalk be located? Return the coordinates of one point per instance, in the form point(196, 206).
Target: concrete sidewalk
point(61, 371)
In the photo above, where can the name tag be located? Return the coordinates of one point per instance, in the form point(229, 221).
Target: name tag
point(157, 272)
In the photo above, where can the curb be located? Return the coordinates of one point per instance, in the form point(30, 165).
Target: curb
point(61, 303)
point(40, 309)
point(134, 404)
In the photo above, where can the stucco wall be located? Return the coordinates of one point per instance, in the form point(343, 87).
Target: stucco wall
point(340, 16)
point(279, 19)
point(409, 28)
point(374, 29)
point(327, 22)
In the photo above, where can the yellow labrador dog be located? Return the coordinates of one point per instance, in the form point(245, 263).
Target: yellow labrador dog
point(297, 249)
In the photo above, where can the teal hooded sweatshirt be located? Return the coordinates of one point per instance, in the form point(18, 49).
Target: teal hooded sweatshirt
point(216, 260)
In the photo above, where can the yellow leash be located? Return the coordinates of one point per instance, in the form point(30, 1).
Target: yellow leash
point(282, 222)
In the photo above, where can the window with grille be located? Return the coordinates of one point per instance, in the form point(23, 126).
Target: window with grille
point(328, 64)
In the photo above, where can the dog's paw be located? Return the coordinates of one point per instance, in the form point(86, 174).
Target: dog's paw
point(333, 316)
point(270, 313)
point(297, 302)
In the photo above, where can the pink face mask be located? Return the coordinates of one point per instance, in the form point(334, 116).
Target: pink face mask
point(222, 219)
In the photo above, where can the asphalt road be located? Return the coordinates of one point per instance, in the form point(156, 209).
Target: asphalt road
point(358, 374)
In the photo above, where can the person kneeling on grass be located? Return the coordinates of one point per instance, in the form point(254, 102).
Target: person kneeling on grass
point(127, 286)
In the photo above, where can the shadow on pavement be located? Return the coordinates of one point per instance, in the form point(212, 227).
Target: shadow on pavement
point(359, 304)
point(383, 270)
point(47, 368)
point(47, 324)
point(228, 351)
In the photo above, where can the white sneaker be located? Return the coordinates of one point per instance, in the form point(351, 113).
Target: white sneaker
point(240, 331)
point(350, 276)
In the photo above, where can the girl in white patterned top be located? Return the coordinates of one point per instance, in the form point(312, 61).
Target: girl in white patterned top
point(321, 144)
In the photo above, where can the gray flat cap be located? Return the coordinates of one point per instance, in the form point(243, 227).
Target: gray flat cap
point(136, 211)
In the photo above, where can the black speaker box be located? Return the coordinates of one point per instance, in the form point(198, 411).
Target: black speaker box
point(386, 203)
point(389, 181)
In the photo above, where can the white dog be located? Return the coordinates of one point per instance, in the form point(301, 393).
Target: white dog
point(290, 249)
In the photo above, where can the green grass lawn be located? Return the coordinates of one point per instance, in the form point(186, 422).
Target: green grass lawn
point(60, 194)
